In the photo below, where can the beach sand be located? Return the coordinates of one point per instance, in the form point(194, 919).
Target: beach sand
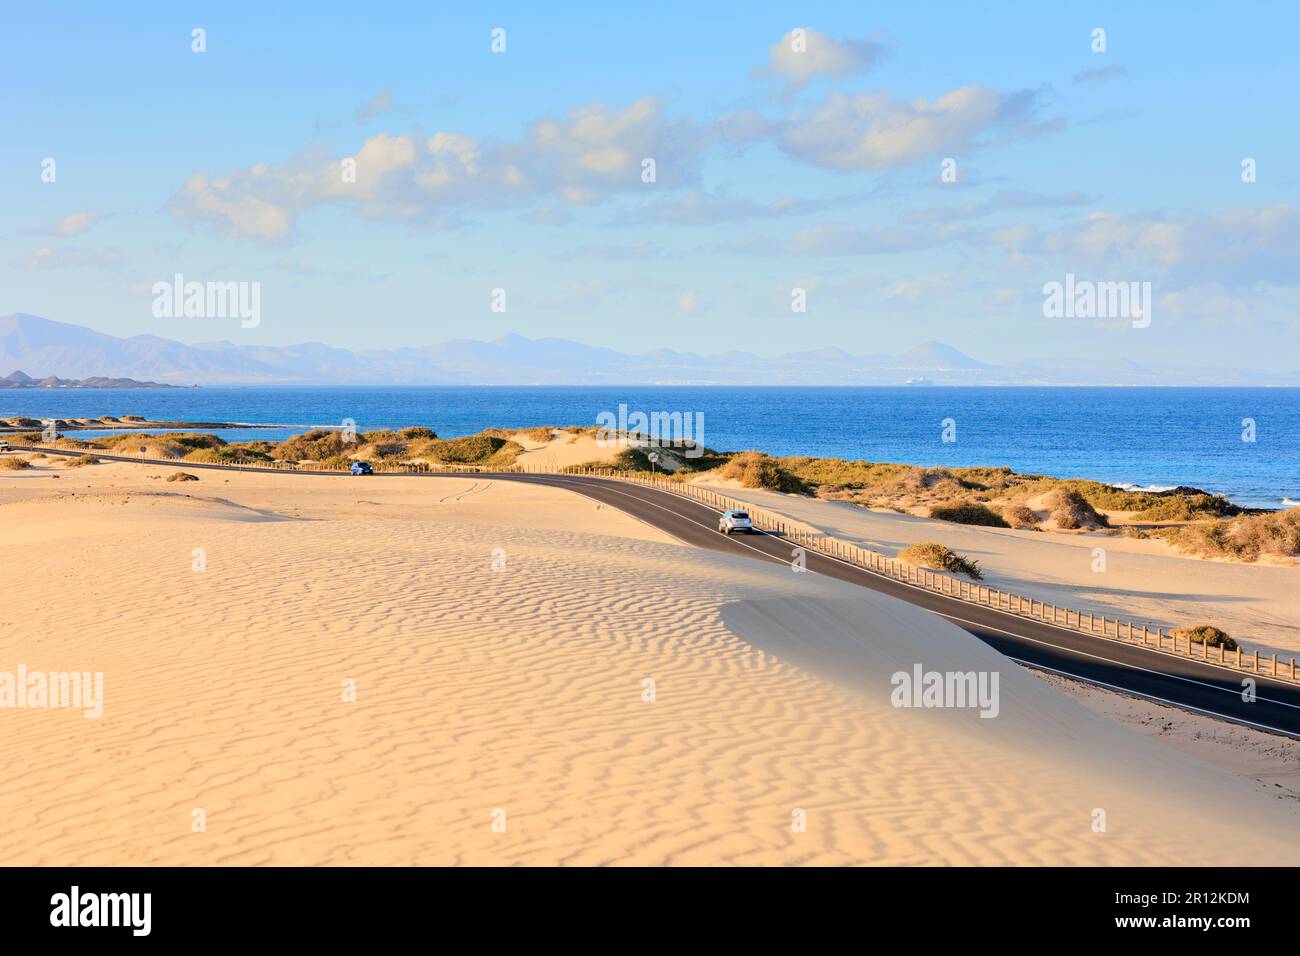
point(508, 716)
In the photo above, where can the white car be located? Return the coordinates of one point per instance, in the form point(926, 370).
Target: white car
point(730, 521)
point(4, 446)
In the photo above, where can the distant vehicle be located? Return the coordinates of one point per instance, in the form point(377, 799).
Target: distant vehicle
point(4, 446)
point(362, 468)
point(731, 521)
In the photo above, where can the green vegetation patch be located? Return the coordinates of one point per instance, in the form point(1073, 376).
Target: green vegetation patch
point(969, 512)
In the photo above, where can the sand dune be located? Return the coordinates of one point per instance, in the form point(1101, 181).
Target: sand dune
point(562, 451)
point(522, 690)
point(1143, 580)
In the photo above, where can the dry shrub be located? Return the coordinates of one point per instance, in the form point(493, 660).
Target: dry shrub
point(629, 459)
point(235, 454)
point(1019, 516)
point(480, 449)
point(756, 470)
point(1071, 510)
point(1206, 634)
point(1244, 538)
point(969, 512)
point(316, 445)
point(931, 554)
point(1188, 508)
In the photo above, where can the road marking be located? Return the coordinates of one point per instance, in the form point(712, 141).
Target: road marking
point(1111, 660)
point(1162, 700)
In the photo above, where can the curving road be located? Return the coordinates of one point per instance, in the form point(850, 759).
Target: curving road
point(1183, 682)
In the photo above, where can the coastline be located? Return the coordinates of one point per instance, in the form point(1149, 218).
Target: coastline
point(115, 424)
point(1148, 437)
point(156, 428)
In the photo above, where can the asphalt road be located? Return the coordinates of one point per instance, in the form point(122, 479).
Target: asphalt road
point(1183, 682)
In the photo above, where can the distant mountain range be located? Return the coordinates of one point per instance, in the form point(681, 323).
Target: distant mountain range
point(20, 379)
point(58, 348)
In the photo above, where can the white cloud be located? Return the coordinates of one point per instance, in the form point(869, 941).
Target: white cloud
point(804, 54)
point(227, 204)
point(46, 258)
point(872, 131)
point(72, 225)
point(77, 223)
point(593, 152)
point(1233, 246)
point(1269, 307)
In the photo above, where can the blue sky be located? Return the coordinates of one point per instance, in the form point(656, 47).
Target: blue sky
point(776, 169)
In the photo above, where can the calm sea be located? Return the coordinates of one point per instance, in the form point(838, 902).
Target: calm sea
point(1147, 437)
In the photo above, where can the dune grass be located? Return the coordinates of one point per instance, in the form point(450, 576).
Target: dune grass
point(477, 449)
point(1019, 516)
point(1070, 510)
point(931, 554)
point(316, 445)
point(13, 464)
point(1247, 537)
point(416, 432)
point(1206, 634)
point(232, 454)
point(1188, 508)
point(756, 470)
point(629, 459)
point(969, 512)
point(538, 434)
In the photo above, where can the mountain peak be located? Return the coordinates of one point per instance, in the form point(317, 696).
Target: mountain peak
point(937, 355)
point(511, 338)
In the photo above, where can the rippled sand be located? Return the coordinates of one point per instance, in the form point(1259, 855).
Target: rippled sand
point(521, 696)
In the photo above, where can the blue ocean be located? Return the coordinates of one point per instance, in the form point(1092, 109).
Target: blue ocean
point(1144, 437)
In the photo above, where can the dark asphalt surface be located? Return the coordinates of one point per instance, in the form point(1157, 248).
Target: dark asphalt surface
point(1186, 683)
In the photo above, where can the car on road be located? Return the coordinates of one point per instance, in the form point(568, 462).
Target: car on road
point(362, 468)
point(4, 446)
point(732, 521)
